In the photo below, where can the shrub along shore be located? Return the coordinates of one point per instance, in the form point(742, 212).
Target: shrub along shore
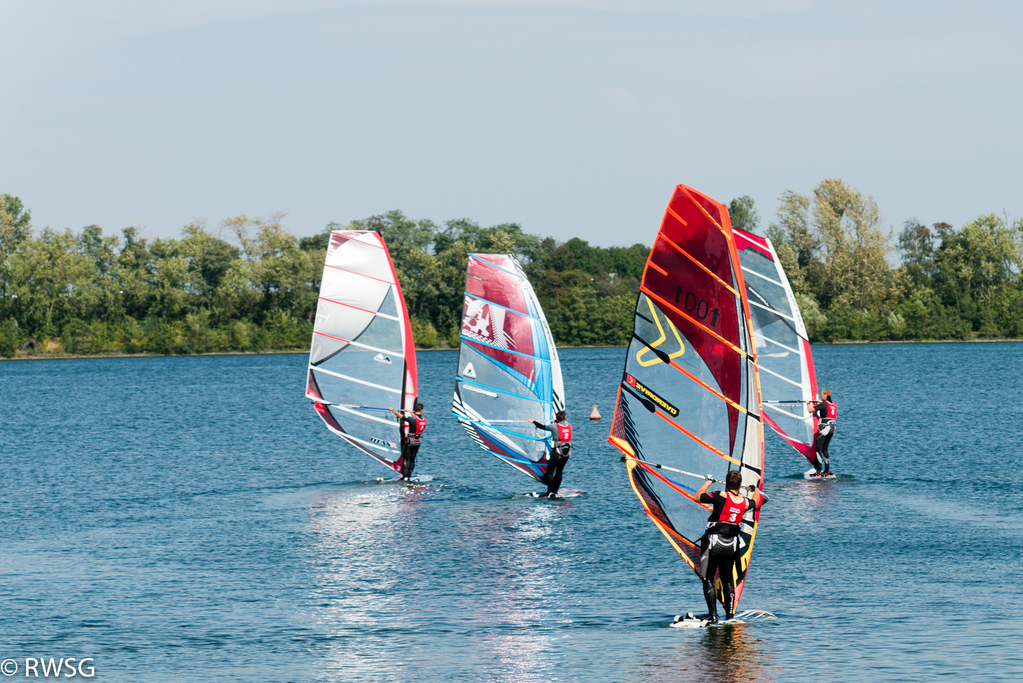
point(251, 286)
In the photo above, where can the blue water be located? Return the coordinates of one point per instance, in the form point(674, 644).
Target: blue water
point(190, 519)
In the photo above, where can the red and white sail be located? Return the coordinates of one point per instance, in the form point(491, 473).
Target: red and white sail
point(787, 377)
point(363, 358)
point(508, 367)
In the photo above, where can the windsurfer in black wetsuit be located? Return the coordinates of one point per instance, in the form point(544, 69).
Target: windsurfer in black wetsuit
point(560, 450)
point(412, 427)
point(827, 412)
point(719, 549)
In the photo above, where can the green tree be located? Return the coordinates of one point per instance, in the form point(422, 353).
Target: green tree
point(977, 267)
point(916, 242)
point(793, 229)
point(281, 272)
point(49, 276)
point(15, 229)
point(15, 224)
point(208, 257)
point(10, 337)
point(135, 271)
point(840, 250)
point(173, 284)
point(743, 213)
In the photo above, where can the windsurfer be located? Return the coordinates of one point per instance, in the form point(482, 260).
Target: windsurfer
point(719, 549)
point(560, 450)
point(413, 424)
point(827, 411)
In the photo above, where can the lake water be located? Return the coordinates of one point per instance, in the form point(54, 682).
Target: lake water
point(190, 519)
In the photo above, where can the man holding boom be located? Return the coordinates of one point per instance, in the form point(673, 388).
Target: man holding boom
point(560, 450)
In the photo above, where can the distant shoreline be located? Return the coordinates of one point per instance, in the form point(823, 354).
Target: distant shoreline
point(920, 341)
point(306, 351)
point(151, 355)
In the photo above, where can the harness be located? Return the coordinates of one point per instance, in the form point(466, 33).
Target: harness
point(723, 532)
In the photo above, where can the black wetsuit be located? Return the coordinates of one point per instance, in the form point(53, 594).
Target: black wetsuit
point(722, 559)
point(825, 430)
point(411, 442)
point(560, 451)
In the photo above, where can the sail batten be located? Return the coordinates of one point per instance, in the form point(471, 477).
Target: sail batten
point(508, 368)
point(362, 351)
point(750, 271)
point(689, 399)
point(773, 311)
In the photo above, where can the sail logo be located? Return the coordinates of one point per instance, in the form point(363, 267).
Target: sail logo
point(381, 358)
point(660, 356)
point(477, 390)
point(469, 371)
point(653, 396)
point(485, 323)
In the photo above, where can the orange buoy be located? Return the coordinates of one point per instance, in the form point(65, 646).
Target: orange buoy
point(594, 414)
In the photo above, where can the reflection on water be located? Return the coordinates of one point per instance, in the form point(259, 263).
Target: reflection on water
point(810, 497)
point(386, 574)
point(511, 588)
point(723, 654)
point(364, 565)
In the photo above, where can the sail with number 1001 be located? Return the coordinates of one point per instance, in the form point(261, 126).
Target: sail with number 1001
point(363, 359)
point(787, 377)
point(508, 369)
point(689, 401)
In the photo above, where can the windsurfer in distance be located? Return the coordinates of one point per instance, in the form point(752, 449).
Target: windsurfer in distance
point(827, 411)
point(412, 425)
point(560, 450)
point(719, 549)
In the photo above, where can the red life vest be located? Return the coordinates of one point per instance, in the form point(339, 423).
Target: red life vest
point(420, 426)
point(832, 411)
point(732, 512)
point(564, 433)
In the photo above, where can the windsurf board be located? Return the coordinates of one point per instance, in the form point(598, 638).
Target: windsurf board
point(567, 493)
point(690, 620)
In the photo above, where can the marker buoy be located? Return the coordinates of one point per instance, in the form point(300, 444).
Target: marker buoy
point(594, 414)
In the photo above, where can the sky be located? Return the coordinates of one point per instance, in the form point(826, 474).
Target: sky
point(573, 118)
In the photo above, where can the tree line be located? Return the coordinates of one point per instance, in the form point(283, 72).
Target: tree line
point(957, 284)
point(250, 285)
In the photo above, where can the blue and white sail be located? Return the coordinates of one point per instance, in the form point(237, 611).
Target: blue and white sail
point(508, 368)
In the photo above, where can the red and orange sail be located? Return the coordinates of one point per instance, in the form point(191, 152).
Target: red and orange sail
point(690, 395)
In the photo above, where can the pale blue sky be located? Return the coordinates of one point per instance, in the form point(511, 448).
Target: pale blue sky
point(572, 118)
